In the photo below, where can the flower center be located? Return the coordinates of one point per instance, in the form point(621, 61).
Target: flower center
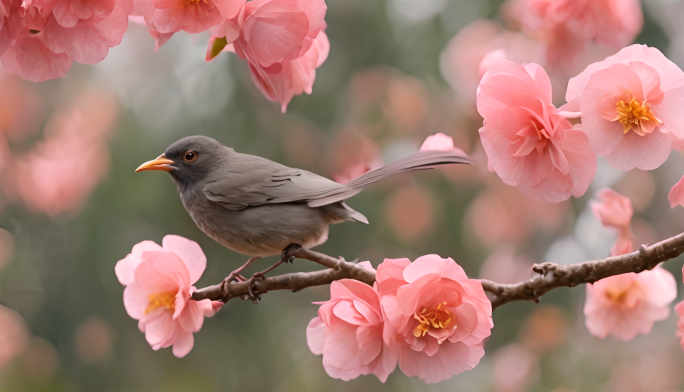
point(632, 115)
point(627, 297)
point(435, 318)
point(157, 300)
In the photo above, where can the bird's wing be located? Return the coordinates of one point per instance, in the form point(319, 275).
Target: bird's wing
point(257, 181)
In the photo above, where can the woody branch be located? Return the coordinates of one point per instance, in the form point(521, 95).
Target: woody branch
point(548, 276)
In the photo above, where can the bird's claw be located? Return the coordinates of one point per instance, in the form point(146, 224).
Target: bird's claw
point(287, 256)
point(252, 296)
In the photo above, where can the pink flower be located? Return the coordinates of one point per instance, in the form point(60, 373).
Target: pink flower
point(676, 195)
point(567, 25)
point(43, 37)
point(629, 103)
point(629, 304)
point(284, 42)
point(348, 332)
point(527, 140)
point(679, 308)
point(615, 211)
point(434, 316)
point(439, 142)
point(13, 335)
point(158, 282)
point(48, 180)
point(478, 46)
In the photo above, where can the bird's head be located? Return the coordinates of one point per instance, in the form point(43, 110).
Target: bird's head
point(189, 160)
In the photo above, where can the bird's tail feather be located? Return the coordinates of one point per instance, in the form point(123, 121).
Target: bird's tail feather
point(419, 161)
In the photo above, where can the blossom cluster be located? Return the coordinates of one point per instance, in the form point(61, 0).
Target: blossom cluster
point(426, 316)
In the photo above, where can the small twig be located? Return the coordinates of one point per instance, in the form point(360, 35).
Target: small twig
point(550, 276)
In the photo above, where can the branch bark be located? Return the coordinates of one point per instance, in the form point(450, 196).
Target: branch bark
point(549, 275)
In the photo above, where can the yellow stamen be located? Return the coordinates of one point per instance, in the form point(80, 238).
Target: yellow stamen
point(428, 317)
point(157, 300)
point(631, 115)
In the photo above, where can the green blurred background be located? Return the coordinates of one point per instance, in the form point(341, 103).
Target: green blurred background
point(379, 94)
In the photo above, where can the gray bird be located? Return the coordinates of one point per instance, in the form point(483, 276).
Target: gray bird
point(258, 207)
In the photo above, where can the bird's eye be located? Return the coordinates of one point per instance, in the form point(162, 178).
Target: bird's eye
point(190, 157)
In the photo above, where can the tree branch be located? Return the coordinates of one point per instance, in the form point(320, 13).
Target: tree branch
point(550, 276)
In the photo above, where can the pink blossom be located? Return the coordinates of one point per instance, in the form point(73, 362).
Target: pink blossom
point(165, 17)
point(527, 140)
point(439, 142)
point(284, 42)
point(348, 332)
point(158, 282)
point(42, 37)
point(48, 180)
point(615, 211)
point(13, 335)
point(566, 26)
point(679, 308)
point(676, 195)
point(629, 304)
point(478, 46)
point(516, 368)
point(629, 103)
point(434, 316)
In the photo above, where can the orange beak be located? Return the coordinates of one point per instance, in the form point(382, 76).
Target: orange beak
point(161, 163)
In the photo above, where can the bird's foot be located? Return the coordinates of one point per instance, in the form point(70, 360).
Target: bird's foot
point(253, 295)
point(287, 256)
point(225, 293)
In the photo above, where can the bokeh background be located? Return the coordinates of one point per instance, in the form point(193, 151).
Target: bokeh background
point(398, 71)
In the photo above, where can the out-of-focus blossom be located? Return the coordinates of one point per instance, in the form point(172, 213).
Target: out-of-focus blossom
point(352, 155)
point(284, 42)
point(651, 370)
point(503, 266)
point(158, 282)
point(166, 17)
point(13, 335)
point(6, 247)
point(40, 360)
point(93, 339)
point(629, 304)
point(545, 329)
point(439, 142)
point(477, 47)
point(411, 212)
point(434, 315)
point(516, 368)
point(504, 215)
point(348, 332)
point(41, 39)
point(566, 26)
point(408, 103)
point(630, 106)
point(679, 308)
point(19, 108)
point(528, 141)
point(615, 211)
point(48, 180)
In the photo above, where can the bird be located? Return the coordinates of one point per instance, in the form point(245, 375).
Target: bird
point(258, 207)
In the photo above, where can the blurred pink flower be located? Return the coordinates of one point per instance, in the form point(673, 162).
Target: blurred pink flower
point(348, 332)
point(477, 47)
point(615, 210)
point(48, 180)
point(629, 103)
point(158, 282)
point(629, 304)
point(434, 315)
point(527, 140)
point(13, 335)
point(352, 155)
point(93, 338)
point(516, 368)
point(679, 308)
point(41, 37)
point(284, 42)
point(19, 108)
point(410, 212)
point(504, 266)
point(439, 142)
point(166, 17)
point(567, 25)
